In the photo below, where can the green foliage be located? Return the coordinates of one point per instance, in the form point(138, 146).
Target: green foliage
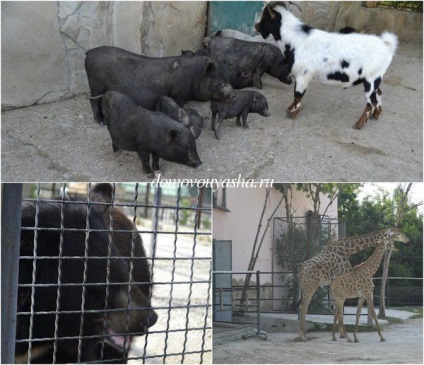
point(379, 211)
point(206, 223)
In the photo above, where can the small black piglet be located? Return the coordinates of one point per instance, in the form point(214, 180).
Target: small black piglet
point(246, 102)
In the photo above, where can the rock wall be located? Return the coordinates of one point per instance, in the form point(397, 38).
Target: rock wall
point(335, 15)
point(44, 43)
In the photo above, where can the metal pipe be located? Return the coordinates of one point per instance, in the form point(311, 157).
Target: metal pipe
point(10, 238)
point(258, 302)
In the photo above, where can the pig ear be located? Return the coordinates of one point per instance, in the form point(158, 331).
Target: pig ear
point(210, 67)
point(172, 135)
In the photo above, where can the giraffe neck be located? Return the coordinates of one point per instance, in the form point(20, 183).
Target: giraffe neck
point(351, 245)
point(370, 266)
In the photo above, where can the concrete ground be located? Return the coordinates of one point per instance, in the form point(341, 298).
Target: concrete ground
point(61, 142)
point(183, 332)
point(404, 344)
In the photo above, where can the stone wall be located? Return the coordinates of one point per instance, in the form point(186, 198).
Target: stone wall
point(44, 43)
point(335, 15)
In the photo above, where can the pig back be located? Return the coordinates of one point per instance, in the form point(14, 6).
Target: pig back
point(145, 79)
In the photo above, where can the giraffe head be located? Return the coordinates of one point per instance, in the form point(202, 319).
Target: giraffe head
point(395, 234)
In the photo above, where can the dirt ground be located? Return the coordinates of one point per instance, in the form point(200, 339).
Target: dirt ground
point(61, 142)
point(404, 344)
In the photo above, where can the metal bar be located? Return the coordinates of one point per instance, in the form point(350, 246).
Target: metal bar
point(258, 302)
point(10, 237)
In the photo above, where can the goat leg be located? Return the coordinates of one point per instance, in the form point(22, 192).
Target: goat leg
point(364, 117)
point(293, 109)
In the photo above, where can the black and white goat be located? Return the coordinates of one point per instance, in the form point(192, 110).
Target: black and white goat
point(331, 58)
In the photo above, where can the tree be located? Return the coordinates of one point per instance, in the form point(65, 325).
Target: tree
point(400, 199)
point(257, 245)
point(380, 211)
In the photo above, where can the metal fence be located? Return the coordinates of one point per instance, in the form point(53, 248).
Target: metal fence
point(100, 282)
point(400, 291)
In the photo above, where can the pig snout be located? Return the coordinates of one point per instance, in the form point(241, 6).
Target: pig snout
point(196, 164)
point(266, 113)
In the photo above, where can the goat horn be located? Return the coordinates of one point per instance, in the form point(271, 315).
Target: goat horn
point(271, 12)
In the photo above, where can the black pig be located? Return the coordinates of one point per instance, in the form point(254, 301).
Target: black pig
point(237, 58)
point(68, 238)
point(245, 103)
point(145, 79)
point(169, 107)
point(190, 118)
point(133, 128)
point(195, 122)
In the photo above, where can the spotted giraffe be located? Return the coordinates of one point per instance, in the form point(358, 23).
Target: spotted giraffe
point(332, 261)
point(358, 283)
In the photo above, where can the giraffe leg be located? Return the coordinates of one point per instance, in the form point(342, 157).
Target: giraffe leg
point(303, 309)
point(342, 328)
point(340, 331)
point(335, 324)
point(370, 304)
point(358, 315)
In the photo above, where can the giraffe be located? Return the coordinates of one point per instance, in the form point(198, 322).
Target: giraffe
point(332, 261)
point(358, 283)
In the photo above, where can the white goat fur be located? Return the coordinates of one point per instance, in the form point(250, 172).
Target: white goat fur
point(318, 54)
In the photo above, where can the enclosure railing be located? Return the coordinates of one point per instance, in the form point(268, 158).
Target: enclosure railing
point(220, 291)
point(410, 294)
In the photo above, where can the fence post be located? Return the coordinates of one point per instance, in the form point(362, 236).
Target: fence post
point(10, 238)
point(258, 301)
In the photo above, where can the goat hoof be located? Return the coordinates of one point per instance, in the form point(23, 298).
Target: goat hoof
point(292, 114)
point(382, 339)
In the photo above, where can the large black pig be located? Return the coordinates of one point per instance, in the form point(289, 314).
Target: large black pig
point(145, 79)
point(237, 57)
point(133, 128)
point(62, 232)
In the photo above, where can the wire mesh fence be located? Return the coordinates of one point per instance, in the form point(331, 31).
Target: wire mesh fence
point(112, 273)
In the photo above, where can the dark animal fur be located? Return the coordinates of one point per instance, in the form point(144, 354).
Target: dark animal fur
point(72, 269)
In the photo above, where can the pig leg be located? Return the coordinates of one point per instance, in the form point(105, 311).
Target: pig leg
point(97, 90)
point(218, 121)
point(213, 120)
point(244, 118)
point(257, 79)
point(155, 165)
point(145, 161)
point(238, 120)
point(116, 149)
